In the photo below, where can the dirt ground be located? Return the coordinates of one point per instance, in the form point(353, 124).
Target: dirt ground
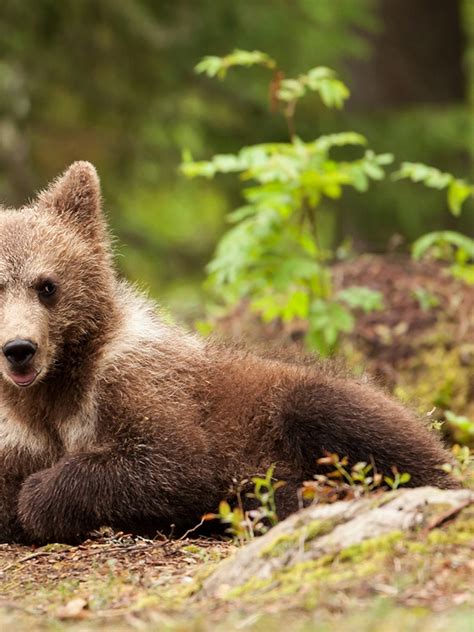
point(110, 577)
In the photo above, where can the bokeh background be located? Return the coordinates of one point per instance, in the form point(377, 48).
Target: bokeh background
point(113, 82)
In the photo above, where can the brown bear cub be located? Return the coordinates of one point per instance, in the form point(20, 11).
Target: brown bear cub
point(110, 416)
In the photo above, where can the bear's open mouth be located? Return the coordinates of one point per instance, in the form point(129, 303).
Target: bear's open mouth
point(24, 379)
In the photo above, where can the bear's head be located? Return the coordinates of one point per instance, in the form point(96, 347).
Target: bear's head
point(56, 278)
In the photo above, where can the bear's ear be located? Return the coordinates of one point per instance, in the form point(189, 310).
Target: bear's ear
point(75, 196)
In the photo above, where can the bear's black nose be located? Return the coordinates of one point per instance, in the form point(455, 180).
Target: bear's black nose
point(19, 352)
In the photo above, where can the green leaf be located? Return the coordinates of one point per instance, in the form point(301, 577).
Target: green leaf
point(268, 307)
point(290, 89)
point(384, 159)
point(458, 192)
point(242, 213)
point(224, 509)
point(296, 307)
point(461, 426)
point(426, 299)
point(324, 143)
point(464, 272)
point(333, 91)
point(326, 321)
point(359, 178)
point(419, 172)
point(218, 66)
point(373, 170)
point(362, 297)
point(329, 319)
point(226, 163)
point(442, 238)
point(316, 342)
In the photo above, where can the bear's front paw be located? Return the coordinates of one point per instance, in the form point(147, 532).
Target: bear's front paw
point(47, 508)
point(10, 528)
point(52, 505)
point(37, 507)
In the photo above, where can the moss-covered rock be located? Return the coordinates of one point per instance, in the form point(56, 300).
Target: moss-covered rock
point(335, 542)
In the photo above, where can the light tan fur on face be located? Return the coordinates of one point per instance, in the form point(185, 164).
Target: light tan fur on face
point(15, 435)
point(62, 237)
point(29, 243)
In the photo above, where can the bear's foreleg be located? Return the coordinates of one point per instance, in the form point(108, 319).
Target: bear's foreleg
point(10, 483)
point(15, 466)
point(109, 487)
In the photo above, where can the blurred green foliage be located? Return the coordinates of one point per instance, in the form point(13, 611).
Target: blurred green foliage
point(446, 245)
point(273, 255)
point(113, 82)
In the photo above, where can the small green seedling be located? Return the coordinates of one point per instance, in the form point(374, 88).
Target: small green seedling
point(244, 525)
point(343, 483)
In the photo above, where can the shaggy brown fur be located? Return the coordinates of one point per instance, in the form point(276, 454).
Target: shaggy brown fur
point(119, 419)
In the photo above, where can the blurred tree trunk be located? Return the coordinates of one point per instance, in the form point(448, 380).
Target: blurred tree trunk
point(15, 159)
point(417, 56)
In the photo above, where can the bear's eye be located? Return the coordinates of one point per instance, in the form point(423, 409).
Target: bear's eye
point(47, 289)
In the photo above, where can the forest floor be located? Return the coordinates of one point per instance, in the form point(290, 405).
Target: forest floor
point(421, 582)
point(421, 347)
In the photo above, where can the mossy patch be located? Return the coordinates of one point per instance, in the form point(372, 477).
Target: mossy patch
point(313, 581)
point(298, 538)
point(437, 376)
point(354, 561)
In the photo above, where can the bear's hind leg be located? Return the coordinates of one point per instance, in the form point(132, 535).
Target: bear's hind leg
point(322, 414)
